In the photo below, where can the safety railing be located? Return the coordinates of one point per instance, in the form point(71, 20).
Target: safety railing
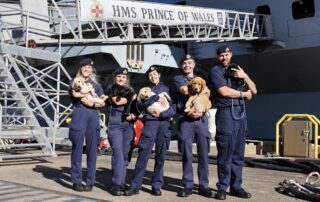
point(288, 117)
point(0, 119)
point(66, 27)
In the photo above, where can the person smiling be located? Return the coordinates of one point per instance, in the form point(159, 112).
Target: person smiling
point(84, 125)
point(156, 131)
point(191, 127)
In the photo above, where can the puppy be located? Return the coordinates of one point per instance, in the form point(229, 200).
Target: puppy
point(146, 92)
point(79, 85)
point(199, 96)
point(125, 92)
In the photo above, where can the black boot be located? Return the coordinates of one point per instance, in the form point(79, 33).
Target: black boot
point(206, 193)
point(156, 192)
point(131, 191)
point(87, 187)
point(241, 193)
point(116, 190)
point(77, 187)
point(221, 195)
point(185, 192)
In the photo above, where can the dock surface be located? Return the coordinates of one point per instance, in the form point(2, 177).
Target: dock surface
point(48, 179)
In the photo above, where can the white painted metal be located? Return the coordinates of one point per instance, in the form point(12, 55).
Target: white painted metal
point(67, 29)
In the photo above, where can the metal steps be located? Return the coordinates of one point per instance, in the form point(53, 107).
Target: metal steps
point(19, 127)
point(21, 145)
point(20, 156)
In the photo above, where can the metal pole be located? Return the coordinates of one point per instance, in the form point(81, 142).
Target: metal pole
point(78, 6)
point(60, 35)
point(27, 29)
point(0, 119)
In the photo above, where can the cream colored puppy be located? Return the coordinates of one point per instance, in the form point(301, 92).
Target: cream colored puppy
point(146, 92)
point(79, 85)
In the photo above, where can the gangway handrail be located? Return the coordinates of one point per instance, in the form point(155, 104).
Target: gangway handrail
point(238, 26)
point(288, 117)
point(0, 119)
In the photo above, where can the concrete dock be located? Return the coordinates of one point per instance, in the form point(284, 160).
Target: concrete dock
point(48, 179)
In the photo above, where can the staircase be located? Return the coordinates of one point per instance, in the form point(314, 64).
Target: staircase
point(20, 130)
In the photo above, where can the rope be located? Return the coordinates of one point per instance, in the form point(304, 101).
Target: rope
point(243, 110)
point(305, 191)
point(312, 175)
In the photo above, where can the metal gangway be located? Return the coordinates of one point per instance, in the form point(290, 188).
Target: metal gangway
point(34, 83)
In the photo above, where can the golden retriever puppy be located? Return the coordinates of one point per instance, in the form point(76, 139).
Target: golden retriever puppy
point(199, 96)
point(146, 92)
point(79, 85)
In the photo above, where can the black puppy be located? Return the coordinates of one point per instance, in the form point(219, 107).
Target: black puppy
point(236, 83)
point(122, 91)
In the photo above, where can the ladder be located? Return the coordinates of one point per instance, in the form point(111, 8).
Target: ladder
point(30, 93)
point(19, 126)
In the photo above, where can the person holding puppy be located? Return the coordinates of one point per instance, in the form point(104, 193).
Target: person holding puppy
point(231, 124)
point(156, 132)
point(84, 125)
point(120, 131)
point(192, 127)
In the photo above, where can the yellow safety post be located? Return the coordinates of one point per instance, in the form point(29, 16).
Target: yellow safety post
point(289, 117)
point(316, 136)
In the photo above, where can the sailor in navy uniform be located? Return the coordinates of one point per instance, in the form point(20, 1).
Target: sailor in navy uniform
point(194, 127)
point(231, 125)
point(84, 125)
point(156, 131)
point(120, 133)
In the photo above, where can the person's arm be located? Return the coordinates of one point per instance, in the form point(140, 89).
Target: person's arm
point(228, 92)
point(146, 103)
point(169, 112)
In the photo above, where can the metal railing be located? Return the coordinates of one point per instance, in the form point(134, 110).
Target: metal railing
point(66, 28)
point(0, 119)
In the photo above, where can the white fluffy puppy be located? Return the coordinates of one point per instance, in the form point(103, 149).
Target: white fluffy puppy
point(146, 92)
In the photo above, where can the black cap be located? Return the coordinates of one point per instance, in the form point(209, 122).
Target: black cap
point(86, 61)
point(187, 57)
point(223, 49)
point(152, 68)
point(120, 70)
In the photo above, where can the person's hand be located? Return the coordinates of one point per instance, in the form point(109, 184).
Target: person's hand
point(131, 117)
point(184, 90)
point(122, 101)
point(206, 91)
point(239, 73)
point(196, 115)
point(162, 102)
point(247, 94)
point(99, 105)
point(155, 114)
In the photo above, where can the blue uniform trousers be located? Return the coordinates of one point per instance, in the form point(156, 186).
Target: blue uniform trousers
point(190, 130)
point(154, 132)
point(84, 125)
point(230, 139)
point(120, 136)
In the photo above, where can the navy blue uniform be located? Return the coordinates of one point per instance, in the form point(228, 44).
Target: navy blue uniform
point(120, 136)
point(84, 125)
point(189, 130)
point(156, 131)
point(230, 134)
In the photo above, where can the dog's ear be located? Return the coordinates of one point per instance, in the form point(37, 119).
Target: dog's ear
point(203, 83)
